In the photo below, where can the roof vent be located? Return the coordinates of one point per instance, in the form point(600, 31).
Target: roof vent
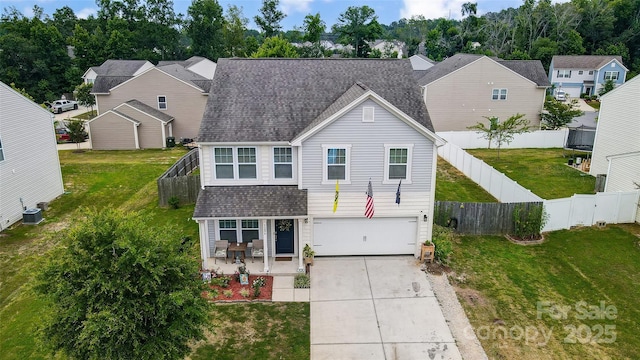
point(367, 114)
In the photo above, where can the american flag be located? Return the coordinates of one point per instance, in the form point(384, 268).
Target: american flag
point(368, 211)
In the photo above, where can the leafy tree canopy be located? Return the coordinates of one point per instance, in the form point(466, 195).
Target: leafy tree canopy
point(269, 22)
point(356, 26)
point(275, 47)
point(502, 132)
point(558, 114)
point(120, 289)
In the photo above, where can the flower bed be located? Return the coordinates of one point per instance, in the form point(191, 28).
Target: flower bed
point(234, 291)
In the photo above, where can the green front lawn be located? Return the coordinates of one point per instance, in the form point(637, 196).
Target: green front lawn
point(502, 286)
point(125, 180)
point(453, 185)
point(543, 171)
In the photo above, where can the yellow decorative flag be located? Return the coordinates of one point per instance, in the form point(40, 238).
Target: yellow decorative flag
point(335, 201)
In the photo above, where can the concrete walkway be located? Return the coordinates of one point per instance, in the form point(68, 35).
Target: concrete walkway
point(376, 308)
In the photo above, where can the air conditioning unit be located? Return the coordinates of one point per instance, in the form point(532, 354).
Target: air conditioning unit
point(32, 216)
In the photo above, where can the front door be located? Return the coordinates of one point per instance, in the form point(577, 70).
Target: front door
point(284, 236)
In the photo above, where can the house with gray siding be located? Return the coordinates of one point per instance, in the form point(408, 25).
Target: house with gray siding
point(29, 165)
point(463, 89)
point(140, 110)
point(282, 139)
point(616, 149)
point(585, 74)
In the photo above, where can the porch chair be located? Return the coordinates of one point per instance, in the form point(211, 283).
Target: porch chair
point(257, 249)
point(221, 250)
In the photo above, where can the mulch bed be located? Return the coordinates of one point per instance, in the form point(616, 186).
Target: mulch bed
point(437, 268)
point(520, 241)
point(235, 287)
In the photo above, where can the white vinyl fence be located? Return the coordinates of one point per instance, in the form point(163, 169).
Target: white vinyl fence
point(534, 139)
point(490, 179)
point(587, 210)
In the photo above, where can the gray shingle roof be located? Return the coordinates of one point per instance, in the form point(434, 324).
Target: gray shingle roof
point(276, 99)
point(251, 201)
point(149, 110)
point(583, 61)
point(425, 58)
point(185, 75)
point(530, 69)
point(125, 116)
point(119, 67)
point(103, 84)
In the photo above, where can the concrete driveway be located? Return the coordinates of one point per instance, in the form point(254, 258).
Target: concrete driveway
point(376, 308)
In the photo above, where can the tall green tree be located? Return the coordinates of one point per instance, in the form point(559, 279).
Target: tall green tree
point(558, 114)
point(313, 27)
point(235, 27)
point(84, 96)
point(205, 28)
point(269, 18)
point(275, 47)
point(356, 26)
point(118, 288)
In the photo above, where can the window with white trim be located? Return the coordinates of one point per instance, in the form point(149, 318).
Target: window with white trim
point(283, 163)
point(250, 230)
point(397, 163)
point(247, 167)
point(235, 163)
point(580, 72)
point(223, 158)
point(611, 75)
point(564, 74)
point(590, 72)
point(162, 102)
point(1, 151)
point(228, 230)
point(499, 94)
point(336, 163)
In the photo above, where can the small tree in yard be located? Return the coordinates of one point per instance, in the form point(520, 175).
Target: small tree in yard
point(76, 131)
point(117, 288)
point(559, 114)
point(84, 96)
point(606, 87)
point(501, 132)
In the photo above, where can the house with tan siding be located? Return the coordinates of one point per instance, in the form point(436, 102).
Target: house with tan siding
point(29, 165)
point(616, 149)
point(141, 111)
point(291, 149)
point(463, 89)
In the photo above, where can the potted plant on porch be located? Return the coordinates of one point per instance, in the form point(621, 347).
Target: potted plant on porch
point(308, 254)
point(428, 251)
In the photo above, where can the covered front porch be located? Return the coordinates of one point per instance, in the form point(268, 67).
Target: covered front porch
point(272, 219)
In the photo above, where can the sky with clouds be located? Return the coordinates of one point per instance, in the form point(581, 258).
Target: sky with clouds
point(386, 10)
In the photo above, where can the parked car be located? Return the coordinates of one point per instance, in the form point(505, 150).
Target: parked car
point(62, 135)
point(59, 106)
point(561, 95)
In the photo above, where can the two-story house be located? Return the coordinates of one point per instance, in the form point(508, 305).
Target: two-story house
point(124, 68)
point(29, 165)
point(140, 111)
point(463, 89)
point(585, 74)
point(284, 142)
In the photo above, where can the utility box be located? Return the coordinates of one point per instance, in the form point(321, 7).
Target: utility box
point(32, 216)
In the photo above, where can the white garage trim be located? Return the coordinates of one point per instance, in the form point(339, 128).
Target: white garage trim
point(362, 236)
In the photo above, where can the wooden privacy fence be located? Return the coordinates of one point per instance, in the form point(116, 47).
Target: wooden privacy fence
point(480, 218)
point(177, 180)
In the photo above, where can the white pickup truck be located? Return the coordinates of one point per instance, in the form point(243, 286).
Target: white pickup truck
point(59, 106)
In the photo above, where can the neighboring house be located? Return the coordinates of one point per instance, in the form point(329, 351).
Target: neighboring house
point(278, 134)
point(462, 90)
point(29, 165)
point(387, 48)
point(421, 62)
point(616, 151)
point(125, 68)
point(585, 74)
point(141, 111)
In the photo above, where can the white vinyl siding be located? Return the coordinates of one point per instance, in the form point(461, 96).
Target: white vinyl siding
point(30, 173)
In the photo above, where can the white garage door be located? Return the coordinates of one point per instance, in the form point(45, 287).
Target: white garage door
point(362, 236)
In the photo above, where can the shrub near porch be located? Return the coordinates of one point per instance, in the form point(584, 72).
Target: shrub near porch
point(543, 171)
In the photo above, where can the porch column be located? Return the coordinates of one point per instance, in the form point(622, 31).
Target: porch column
point(265, 242)
point(204, 242)
point(301, 238)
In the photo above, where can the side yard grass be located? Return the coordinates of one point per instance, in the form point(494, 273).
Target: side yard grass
point(543, 171)
point(515, 296)
point(119, 179)
point(453, 185)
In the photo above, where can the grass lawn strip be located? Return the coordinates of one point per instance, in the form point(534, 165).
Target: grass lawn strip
point(120, 179)
point(502, 287)
point(453, 185)
point(543, 171)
